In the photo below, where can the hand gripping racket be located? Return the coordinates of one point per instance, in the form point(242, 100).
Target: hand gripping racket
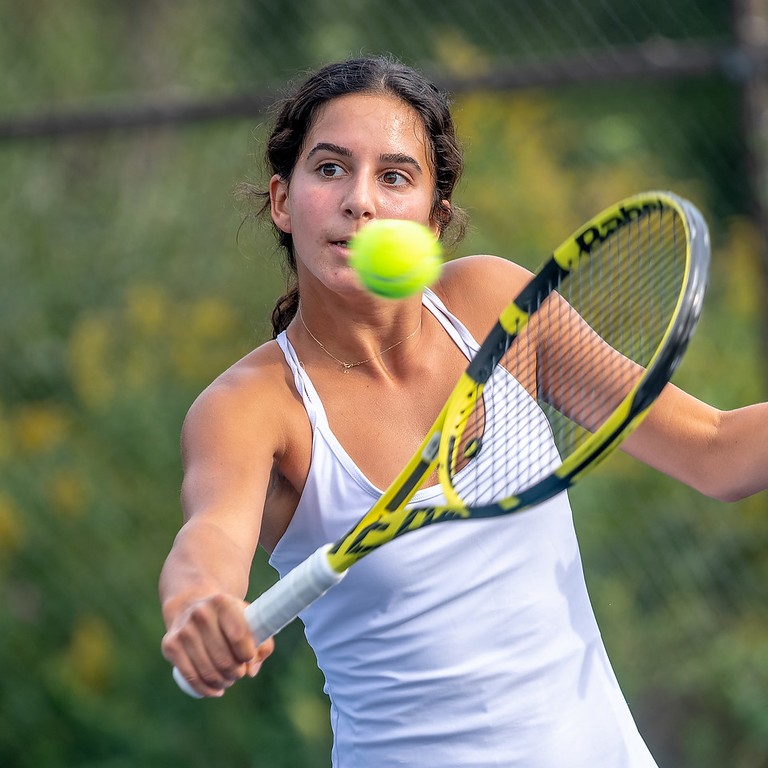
point(570, 368)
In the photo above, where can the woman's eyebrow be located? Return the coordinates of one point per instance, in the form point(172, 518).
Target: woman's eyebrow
point(397, 158)
point(324, 146)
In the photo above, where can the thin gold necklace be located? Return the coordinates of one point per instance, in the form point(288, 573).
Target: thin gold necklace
point(348, 366)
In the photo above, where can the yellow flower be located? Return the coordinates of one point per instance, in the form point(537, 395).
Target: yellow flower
point(212, 319)
point(204, 339)
point(743, 246)
point(11, 527)
point(5, 436)
point(146, 308)
point(67, 493)
point(89, 358)
point(88, 658)
point(458, 55)
point(38, 427)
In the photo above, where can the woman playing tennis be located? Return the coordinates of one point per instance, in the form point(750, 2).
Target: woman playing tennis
point(292, 444)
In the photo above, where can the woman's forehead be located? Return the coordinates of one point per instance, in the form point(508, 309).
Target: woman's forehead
point(362, 118)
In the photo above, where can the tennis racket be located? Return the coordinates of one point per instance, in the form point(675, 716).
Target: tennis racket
point(570, 368)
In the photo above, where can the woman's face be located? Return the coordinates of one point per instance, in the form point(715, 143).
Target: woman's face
point(365, 157)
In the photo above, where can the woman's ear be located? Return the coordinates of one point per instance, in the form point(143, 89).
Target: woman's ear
point(441, 217)
point(278, 202)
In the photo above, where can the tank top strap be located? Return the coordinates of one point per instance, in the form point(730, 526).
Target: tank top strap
point(318, 418)
point(304, 386)
point(452, 325)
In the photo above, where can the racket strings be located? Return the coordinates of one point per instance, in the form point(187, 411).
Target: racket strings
point(603, 326)
point(642, 269)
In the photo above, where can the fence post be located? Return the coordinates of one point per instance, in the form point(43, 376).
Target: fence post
point(749, 21)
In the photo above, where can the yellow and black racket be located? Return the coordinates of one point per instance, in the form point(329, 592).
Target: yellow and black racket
point(568, 371)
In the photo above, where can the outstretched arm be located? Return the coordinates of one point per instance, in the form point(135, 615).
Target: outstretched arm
point(723, 454)
point(227, 466)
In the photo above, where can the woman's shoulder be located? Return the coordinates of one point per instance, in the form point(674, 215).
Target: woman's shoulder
point(483, 266)
point(262, 367)
point(476, 288)
point(253, 390)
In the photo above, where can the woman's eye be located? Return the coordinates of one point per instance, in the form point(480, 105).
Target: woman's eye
point(393, 178)
point(330, 170)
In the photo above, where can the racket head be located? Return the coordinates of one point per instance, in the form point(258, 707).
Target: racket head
point(567, 373)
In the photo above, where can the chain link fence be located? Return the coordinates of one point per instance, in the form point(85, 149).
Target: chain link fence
point(128, 284)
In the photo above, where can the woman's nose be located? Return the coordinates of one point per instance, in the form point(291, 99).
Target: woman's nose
point(360, 200)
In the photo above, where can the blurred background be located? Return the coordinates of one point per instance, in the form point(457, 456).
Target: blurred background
point(125, 288)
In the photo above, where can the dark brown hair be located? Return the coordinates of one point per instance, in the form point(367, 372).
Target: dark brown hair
point(294, 119)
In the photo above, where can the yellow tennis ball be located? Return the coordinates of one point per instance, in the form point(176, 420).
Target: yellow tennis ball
point(395, 257)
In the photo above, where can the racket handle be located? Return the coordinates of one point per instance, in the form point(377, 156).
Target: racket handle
point(283, 601)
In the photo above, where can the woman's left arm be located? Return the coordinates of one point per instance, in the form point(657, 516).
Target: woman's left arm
point(723, 454)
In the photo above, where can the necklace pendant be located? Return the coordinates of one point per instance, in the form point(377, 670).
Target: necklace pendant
point(345, 367)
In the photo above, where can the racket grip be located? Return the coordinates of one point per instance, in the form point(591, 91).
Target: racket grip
point(283, 601)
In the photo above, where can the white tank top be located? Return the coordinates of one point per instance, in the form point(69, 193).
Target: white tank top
point(470, 643)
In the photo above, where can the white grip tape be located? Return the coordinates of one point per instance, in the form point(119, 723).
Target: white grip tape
point(283, 601)
point(181, 681)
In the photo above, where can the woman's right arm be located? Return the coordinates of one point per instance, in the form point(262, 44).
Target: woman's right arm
point(229, 444)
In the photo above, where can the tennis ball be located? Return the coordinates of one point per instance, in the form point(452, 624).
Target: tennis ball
point(395, 257)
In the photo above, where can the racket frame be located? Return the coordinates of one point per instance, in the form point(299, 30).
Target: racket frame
point(389, 517)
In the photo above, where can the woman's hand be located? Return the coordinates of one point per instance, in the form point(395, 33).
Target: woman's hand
point(210, 644)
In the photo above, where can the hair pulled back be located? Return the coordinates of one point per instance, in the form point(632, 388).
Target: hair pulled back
point(295, 117)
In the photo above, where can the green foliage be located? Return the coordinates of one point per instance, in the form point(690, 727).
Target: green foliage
point(126, 289)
